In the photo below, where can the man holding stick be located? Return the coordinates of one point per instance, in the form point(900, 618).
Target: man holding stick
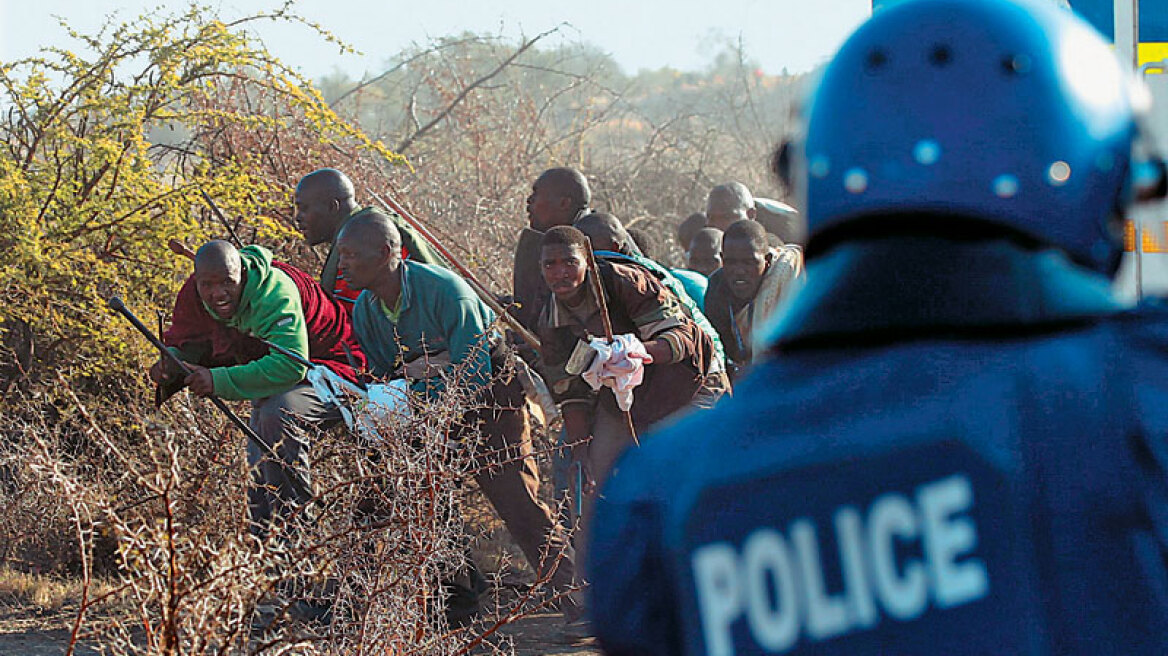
point(234, 299)
point(648, 321)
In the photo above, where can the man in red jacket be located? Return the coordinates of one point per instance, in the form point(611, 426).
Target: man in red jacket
point(234, 299)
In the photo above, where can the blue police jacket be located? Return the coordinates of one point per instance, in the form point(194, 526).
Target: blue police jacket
point(955, 448)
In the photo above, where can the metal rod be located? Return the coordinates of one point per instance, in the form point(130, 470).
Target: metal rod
point(300, 359)
point(117, 305)
point(353, 364)
point(222, 219)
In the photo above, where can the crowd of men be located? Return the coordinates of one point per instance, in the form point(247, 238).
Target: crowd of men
point(624, 342)
point(949, 438)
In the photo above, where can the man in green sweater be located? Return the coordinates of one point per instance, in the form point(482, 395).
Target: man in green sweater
point(234, 299)
point(421, 322)
point(325, 202)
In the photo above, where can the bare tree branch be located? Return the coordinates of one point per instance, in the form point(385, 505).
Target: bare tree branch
point(421, 132)
point(402, 64)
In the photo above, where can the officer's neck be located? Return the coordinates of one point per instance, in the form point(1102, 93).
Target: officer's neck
point(882, 289)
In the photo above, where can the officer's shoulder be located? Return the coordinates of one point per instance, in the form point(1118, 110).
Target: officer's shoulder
point(1144, 326)
point(682, 452)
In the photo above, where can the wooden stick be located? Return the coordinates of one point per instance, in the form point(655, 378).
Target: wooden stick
point(605, 320)
point(484, 293)
point(179, 248)
point(222, 219)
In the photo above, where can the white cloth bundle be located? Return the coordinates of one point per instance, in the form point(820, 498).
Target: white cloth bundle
point(363, 411)
point(619, 366)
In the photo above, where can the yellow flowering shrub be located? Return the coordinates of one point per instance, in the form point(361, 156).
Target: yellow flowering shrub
point(107, 149)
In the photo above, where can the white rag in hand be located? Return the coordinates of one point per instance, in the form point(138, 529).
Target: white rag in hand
point(619, 366)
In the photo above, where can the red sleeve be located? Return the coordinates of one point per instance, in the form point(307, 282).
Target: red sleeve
point(206, 342)
point(330, 328)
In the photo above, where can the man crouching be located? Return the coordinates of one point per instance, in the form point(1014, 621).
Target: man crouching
point(680, 372)
point(235, 299)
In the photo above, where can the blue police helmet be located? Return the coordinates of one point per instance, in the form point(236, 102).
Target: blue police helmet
point(1012, 112)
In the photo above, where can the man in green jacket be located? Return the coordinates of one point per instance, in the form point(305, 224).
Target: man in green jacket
point(422, 322)
point(325, 202)
point(235, 299)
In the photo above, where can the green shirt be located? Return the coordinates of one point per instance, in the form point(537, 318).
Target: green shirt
point(437, 316)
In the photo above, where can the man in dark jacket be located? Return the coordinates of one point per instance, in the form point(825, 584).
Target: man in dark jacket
point(558, 197)
point(681, 370)
point(744, 293)
point(325, 202)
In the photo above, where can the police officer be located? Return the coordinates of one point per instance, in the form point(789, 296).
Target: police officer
point(958, 443)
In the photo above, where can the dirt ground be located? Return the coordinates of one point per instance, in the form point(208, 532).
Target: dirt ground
point(25, 635)
point(536, 635)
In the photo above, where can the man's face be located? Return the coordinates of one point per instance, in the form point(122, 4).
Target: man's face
point(564, 269)
point(723, 210)
point(545, 205)
point(316, 214)
point(220, 288)
point(703, 258)
point(364, 261)
point(743, 267)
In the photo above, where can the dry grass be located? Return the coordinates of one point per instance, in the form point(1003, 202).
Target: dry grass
point(38, 592)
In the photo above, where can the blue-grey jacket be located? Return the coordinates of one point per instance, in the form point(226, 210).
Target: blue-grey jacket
point(955, 448)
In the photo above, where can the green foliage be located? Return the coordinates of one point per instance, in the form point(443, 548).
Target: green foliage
point(104, 152)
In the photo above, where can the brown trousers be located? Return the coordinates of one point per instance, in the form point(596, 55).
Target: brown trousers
point(512, 486)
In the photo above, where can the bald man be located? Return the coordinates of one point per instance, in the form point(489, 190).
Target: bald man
point(325, 201)
point(728, 203)
point(558, 197)
point(234, 299)
point(422, 322)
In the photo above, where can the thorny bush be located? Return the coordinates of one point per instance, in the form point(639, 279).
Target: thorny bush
point(383, 531)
